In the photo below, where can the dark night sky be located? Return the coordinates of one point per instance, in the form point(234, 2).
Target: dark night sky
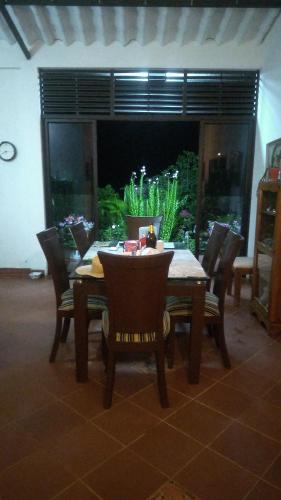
point(124, 147)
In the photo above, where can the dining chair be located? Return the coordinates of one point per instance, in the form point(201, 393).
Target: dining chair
point(80, 237)
point(180, 308)
point(136, 319)
point(135, 222)
point(213, 248)
point(50, 244)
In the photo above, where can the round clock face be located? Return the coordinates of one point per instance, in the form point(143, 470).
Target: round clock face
point(7, 151)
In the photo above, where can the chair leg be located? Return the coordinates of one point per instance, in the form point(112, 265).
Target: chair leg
point(170, 344)
point(219, 333)
point(161, 378)
point(237, 286)
point(210, 330)
point(56, 339)
point(104, 351)
point(229, 286)
point(109, 379)
point(65, 329)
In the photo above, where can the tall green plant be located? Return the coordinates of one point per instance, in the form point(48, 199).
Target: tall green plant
point(169, 207)
point(187, 166)
point(157, 196)
point(134, 195)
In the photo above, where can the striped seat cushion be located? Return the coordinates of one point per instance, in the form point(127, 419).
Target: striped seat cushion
point(136, 337)
point(182, 306)
point(95, 302)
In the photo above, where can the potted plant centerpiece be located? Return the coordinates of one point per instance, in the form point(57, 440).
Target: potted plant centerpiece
point(156, 197)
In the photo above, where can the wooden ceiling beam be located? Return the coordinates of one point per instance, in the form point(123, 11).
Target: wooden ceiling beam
point(14, 30)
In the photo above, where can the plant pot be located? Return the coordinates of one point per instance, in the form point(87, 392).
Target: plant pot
point(135, 222)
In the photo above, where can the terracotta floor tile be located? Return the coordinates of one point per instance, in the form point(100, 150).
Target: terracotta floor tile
point(50, 423)
point(264, 417)
point(149, 400)
point(110, 481)
point(246, 381)
point(264, 491)
point(211, 366)
point(239, 352)
point(42, 407)
point(200, 422)
point(78, 491)
point(88, 399)
point(166, 448)
point(84, 448)
point(255, 451)
point(266, 363)
point(15, 445)
point(128, 380)
point(273, 475)
point(226, 400)
point(273, 349)
point(37, 476)
point(171, 491)
point(244, 330)
point(20, 397)
point(57, 378)
point(274, 395)
point(178, 380)
point(125, 421)
point(211, 477)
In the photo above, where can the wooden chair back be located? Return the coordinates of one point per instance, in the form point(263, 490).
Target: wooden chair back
point(80, 237)
point(136, 291)
point(231, 249)
point(49, 241)
point(135, 222)
point(213, 248)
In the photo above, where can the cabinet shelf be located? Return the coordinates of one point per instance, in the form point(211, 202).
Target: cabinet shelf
point(266, 303)
point(269, 212)
point(262, 247)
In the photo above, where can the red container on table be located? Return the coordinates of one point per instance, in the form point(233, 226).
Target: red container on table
point(131, 246)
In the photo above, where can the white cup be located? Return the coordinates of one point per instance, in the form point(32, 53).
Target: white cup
point(160, 245)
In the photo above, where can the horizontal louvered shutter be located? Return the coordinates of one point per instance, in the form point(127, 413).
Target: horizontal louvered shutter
point(165, 92)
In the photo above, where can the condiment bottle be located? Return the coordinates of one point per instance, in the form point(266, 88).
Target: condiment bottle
point(151, 237)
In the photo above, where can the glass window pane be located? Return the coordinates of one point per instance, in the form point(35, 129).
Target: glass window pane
point(71, 170)
point(225, 176)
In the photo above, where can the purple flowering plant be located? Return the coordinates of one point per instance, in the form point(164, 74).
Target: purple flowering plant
point(74, 219)
point(70, 220)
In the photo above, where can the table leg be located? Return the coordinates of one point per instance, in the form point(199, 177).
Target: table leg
point(81, 331)
point(196, 333)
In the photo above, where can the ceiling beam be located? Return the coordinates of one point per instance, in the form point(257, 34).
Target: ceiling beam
point(152, 3)
point(14, 30)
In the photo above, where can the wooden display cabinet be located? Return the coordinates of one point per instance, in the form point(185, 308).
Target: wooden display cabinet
point(266, 301)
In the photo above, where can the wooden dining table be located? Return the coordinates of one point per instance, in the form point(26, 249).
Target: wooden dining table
point(186, 278)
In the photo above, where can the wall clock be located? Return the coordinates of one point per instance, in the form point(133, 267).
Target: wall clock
point(7, 151)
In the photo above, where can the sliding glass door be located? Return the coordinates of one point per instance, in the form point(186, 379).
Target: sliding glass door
point(225, 177)
point(70, 173)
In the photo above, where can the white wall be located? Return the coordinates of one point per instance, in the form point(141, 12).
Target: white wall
point(269, 116)
point(21, 181)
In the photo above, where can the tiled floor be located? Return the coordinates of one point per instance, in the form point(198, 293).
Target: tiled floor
point(219, 440)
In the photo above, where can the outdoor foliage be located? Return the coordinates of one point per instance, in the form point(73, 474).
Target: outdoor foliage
point(111, 214)
point(171, 194)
